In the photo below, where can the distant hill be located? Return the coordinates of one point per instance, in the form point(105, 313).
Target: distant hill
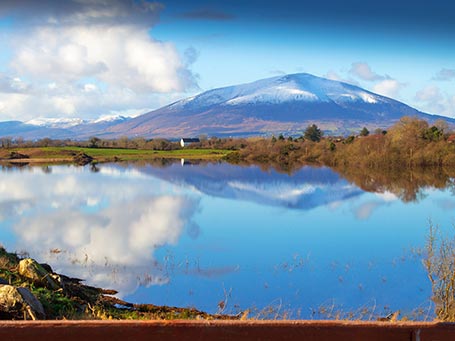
point(57, 128)
point(284, 104)
point(16, 129)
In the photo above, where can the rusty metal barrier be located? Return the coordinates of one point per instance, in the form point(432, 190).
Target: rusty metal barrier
point(224, 330)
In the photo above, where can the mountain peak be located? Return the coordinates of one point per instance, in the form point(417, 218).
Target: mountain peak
point(301, 87)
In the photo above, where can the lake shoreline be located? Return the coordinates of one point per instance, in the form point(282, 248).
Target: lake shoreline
point(72, 155)
point(33, 291)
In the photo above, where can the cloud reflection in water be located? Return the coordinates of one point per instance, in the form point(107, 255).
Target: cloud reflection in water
point(103, 230)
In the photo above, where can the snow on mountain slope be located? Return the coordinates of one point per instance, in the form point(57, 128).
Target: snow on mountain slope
point(298, 87)
point(55, 122)
point(110, 118)
point(72, 122)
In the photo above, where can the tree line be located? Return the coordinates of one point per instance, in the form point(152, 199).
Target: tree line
point(411, 142)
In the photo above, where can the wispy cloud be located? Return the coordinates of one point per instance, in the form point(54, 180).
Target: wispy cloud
point(214, 272)
point(363, 71)
point(445, 75)
point(364, 211)
point(436, 101)
point(10, 84)
point(389, 88)
point(382, 84)
point(82, 12)
point(429, 93)
point(335, 76)
point(277, 72)
point(207, 14)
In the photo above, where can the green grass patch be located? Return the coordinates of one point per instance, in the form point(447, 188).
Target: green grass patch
point(107, 154)
point(55, 304)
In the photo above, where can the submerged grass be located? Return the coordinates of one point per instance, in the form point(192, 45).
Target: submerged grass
point(439, 262)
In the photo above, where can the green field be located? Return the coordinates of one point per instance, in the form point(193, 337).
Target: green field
point(56, 154)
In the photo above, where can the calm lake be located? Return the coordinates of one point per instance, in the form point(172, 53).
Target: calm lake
point(225, 238)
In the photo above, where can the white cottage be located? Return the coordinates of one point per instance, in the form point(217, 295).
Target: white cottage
point(185, 141)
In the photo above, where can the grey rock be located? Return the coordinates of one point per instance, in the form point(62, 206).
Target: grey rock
point(47, 267)
point(82, 159)
point(33, 303)
point(16, 155)
point(32, 270)
point(19, 303)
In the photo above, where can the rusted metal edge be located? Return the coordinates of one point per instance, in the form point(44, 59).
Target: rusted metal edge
point(225, 330)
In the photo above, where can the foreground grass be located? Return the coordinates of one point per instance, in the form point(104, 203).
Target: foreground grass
point(67, 154)
point(77, 301)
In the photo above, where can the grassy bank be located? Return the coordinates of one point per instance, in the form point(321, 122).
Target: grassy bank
point(68, 154)
point(62, 297)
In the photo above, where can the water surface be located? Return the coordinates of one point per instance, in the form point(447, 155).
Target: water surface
point(197, 235)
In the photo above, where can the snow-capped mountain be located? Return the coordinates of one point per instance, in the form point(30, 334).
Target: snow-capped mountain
point(72, 122)
point(110, 118)
point(55, 122)
point(283, 104)
point(283, 89)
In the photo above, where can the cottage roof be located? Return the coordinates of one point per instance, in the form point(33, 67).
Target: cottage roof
point(189, 140)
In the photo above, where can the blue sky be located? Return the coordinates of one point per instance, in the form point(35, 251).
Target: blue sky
point(88, 59)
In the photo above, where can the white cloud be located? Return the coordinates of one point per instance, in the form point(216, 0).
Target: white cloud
point(65, 106)
point(335, 76)
point(389, 88)
point(54, 100)
point(12, 103)
point(381, 84)
point(435, 101)
point(387, 196)
point(89, 58)
point(364, 211)
point(10, 84)
point(9, 208)
point(89, 87)
point(445, 75)
point(363, 71)
point(429, 93)
point(120, 56)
